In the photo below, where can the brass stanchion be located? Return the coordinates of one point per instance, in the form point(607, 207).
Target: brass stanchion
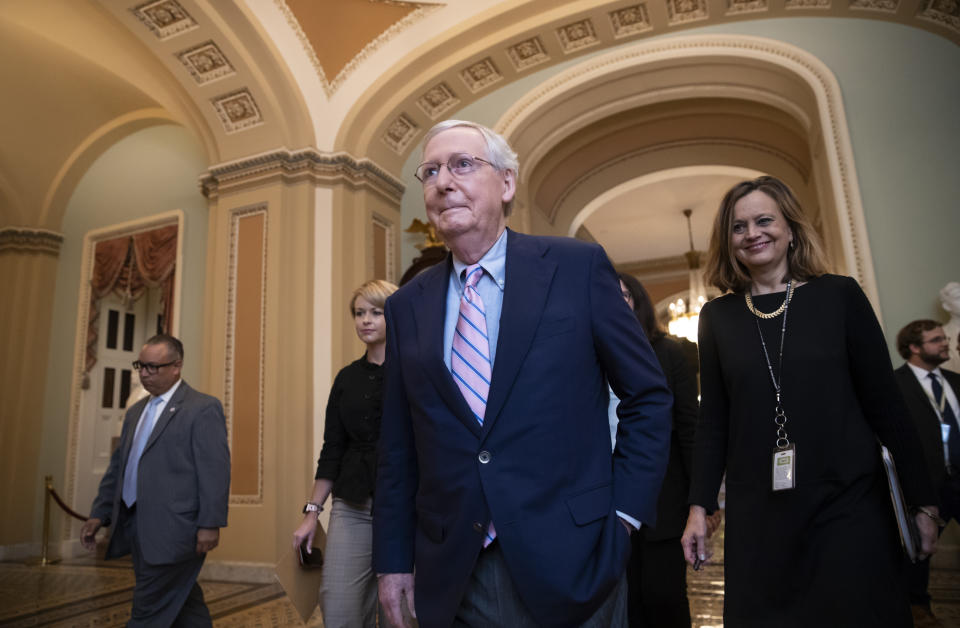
point(45, 559)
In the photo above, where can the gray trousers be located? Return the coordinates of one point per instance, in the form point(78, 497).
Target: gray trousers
point(164, 595)
point(348, 594)
point(491, 600)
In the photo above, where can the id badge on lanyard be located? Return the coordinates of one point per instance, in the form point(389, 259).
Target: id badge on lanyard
point(785, 468)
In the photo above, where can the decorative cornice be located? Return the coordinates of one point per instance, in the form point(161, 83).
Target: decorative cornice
point(29, 239)
point(306, 163)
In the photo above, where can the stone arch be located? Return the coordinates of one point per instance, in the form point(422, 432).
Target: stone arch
point(688, 101)
point(87, 151)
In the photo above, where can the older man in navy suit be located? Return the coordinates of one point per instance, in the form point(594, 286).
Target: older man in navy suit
point(166, 490)
point(497, 501)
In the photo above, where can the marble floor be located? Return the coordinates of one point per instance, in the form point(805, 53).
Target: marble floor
point(86, 593)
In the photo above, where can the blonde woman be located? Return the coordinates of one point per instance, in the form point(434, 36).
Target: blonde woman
point(346, 469)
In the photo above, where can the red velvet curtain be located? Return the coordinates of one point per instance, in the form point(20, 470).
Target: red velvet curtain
point(127, 266)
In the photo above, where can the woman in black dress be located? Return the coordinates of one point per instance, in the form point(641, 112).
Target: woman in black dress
point(811, 538)
point(657, 573)
point(346, 468)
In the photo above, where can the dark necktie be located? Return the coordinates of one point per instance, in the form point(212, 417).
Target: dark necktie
point(949, 418)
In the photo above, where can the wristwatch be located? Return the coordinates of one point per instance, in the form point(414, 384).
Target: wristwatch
point(312, 507)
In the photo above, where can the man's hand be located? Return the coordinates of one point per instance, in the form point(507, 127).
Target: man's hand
point(394, 589)
point(207, 539)
point(694, 539)
point(928, 532)
point(88, 533)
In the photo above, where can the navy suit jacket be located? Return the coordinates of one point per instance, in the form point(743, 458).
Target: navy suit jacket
point(183, 482)
point(540, 466)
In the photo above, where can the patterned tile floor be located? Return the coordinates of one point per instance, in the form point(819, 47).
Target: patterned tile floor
point(87, 594)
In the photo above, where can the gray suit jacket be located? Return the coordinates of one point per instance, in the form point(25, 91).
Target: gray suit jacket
point(183, 482)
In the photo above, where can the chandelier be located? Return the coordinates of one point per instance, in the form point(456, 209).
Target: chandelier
point(685, 315)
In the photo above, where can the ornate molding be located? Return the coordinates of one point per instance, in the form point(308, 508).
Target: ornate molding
point(943, 12)
point(527, 53)
point(30, 240)
point(237, 110)
point(377, 220)
point(164, 18)
point(577, 36)
point(206, 62)
point(311, 164)
point(481, 74)
point(229, 367)
point(438, 99)
point(683, 11)
point(630, 21)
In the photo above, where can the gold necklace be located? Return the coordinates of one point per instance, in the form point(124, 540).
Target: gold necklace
point(777, 312)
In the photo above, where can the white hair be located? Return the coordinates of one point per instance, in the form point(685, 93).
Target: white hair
point(499, 153)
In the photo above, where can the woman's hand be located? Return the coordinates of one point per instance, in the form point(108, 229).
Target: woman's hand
point(694, 539)
point(928, 530)
point(305, 531)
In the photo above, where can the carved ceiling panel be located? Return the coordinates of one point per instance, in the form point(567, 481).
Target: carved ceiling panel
point(237, 110)
point(206, 63)
point(165, 18)
point(338, 35)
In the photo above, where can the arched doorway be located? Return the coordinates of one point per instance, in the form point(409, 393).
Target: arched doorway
point(692, 105)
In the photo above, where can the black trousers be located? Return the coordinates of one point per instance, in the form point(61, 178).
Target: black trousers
point(657, 583)
point(918, 574)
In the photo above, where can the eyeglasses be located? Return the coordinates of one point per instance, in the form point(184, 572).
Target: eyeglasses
point(459, 165)
point(150, 367)
point(937, 340)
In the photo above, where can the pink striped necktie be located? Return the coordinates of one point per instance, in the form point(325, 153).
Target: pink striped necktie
point(470, 358)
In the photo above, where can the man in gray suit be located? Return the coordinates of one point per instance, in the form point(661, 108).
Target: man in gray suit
point(166, 490)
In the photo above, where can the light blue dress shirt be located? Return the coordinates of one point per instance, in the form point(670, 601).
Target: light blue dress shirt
point(490, 287)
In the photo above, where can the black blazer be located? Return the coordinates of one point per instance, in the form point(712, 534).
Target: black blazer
point(681, 374)
point(928, 423)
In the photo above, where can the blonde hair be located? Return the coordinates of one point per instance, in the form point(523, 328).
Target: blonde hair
point(374, 291)
point(805, 257)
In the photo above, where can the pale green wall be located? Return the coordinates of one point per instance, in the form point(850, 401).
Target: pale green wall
point(152, 171)
point(901, 93)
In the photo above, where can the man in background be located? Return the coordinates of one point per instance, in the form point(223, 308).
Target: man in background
point(931, 396)
point(166, 490)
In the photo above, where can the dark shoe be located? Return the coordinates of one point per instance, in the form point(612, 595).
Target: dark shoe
point(923, 618)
